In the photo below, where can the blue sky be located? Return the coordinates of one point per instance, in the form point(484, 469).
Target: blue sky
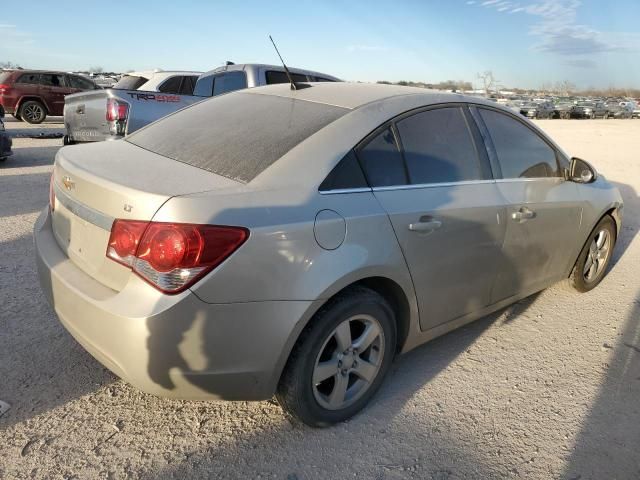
point(593, 43)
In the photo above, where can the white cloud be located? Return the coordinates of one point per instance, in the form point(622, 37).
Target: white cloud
point(560, 33)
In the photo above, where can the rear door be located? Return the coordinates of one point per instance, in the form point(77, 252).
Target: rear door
point(543, 210)
point(53, 88)
point(436, 186)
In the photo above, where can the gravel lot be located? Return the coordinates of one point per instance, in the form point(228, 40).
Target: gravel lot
point(548, 388)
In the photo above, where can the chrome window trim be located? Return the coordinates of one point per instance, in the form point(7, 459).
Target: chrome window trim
point(530, 179)
point(345, 190)
point(432, 185)
point(86, 213)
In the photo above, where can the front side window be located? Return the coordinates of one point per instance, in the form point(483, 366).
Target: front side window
point(382, 161)
point(520, 151)
point(438, 147)
point(52, 80)
point(229, 82)
point(81, 83)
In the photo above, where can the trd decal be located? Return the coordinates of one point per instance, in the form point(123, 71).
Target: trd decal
point(152, 96)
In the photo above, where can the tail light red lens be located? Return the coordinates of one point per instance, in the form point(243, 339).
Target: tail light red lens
point(172, 256)
point(116, 110)
point(4, 89)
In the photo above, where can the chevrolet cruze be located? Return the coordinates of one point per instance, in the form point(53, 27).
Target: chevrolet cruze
point(293, 241)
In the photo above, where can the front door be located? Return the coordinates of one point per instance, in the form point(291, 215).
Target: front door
point(446, 211)
point(543, 210)
point(53, 89)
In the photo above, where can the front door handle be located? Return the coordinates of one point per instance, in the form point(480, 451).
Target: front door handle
point(523, 214)
point(426, 225)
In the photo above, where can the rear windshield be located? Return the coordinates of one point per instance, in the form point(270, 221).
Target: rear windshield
point(130, 82)
point(237, 135)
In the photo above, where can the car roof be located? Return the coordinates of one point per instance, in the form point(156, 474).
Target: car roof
point(353, 95)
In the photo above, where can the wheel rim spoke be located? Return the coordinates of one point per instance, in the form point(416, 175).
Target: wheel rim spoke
point(587, 264)
point(371, 332)
point(325, 370)
point(343, 336)
point(339, 392)
point(365, 370)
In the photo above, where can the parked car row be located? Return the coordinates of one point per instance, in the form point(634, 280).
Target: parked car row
point(566, 108)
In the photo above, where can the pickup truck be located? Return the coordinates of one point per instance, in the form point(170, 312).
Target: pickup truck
point(114, 113)
point(99, 115)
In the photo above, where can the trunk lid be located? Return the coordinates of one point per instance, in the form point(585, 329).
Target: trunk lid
point(98, 183)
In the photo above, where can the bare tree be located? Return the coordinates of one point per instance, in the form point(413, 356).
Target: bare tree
point(9, 65)
point(488, 81)
point(96, 69)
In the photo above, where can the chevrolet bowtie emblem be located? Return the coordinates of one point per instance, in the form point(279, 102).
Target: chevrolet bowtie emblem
point(68, 183)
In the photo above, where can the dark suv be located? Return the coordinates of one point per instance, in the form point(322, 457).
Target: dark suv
point(31, 95)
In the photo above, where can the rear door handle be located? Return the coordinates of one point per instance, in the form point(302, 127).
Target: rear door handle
point(426, 225)
point(523, 214)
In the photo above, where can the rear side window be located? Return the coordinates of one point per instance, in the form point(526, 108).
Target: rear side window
point(81, 83)
point(171, 85)
point(382, 161)
point(237, 135)
point(438, 147)
point(29, 78)
point(346, 175)
point(52, 80)
point(188, 84)
point(130, 82)
point(520, 151)
point(229, 82)
point(276, 76)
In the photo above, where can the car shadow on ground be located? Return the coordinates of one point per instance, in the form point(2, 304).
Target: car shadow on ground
point(24, 157)
point(630, 224)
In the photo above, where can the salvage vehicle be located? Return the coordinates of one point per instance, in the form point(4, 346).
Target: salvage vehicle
point(5, 141)
point(112, 114)
point(537, 110)
point(293, 242)
point(31, 95)
point(589, 109)
point(159, 81)
point(562, 109)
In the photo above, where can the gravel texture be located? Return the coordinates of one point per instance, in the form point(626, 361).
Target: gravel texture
point(547, 388)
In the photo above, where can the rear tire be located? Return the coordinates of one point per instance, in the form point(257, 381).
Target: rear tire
point(594, 259)
point(340, 359)
point(33, 112)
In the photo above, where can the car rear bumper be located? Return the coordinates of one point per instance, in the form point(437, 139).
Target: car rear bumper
point(172, 346)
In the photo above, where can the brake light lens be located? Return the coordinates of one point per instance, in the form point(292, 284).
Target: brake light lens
point(172, 256)
point(52, 195)
point(116, 111)
point(4, 88)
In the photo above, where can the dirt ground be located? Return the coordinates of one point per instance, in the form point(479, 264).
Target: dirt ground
point(548, 388)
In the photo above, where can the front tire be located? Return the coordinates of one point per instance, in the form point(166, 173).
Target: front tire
point(340, 360)
point(33, 112)
point(592, 263)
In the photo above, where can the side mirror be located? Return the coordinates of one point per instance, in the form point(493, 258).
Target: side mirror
point(581, 171)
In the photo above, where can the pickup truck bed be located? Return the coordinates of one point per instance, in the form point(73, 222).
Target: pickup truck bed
point(85, 114)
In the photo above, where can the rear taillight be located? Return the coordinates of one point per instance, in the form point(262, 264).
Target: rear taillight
point(172, 256)
point(4, 89)
point(52, 194)
point(116, 111)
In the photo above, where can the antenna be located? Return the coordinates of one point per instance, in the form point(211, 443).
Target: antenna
point(293, 84)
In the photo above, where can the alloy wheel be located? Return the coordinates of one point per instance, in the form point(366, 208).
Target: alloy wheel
point(598, 255)
point(349, 362)
point(32, 112)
